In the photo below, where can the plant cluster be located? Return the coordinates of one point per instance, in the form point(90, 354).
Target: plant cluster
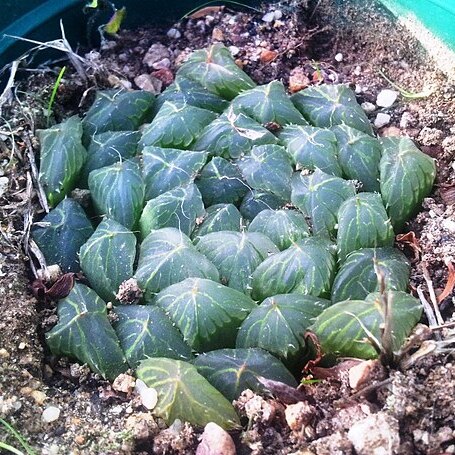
point(232, 218)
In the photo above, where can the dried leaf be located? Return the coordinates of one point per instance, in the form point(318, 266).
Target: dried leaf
point(450, 282)
point(412, 241)
point(62, 287)
point(205, 11)
point(448, 194)
point(282, 391)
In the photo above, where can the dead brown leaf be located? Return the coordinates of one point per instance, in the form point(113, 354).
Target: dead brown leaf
point(450, 282)
point(208, 10)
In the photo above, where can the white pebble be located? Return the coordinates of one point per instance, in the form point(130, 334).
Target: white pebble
point(381, 120)
point(50, 414)
point(234, 50)
point(278, 14)
point(358, 70)
point(4, 181)
point(368, 107)
point(269, 17)
point(173, 33)
point(149, 396)
point(386, 98)
point(339, 57)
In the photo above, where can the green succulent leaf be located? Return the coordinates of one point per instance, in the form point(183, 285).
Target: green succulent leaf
point(118, 192)
point(118, 110)
point(407, 176)
point(186, 91)
point(341, 327)
point(236, 255)
point(62, 158)
point(311, 148)
point(166, 169)
point(207, 313)
point(146, 331)
point(215, 69)
point(363, 223)
point(178, 208)
point(185, 394)
point(166, 257)
point(307, 267)
point(107, 258)
point(83, 332)
point(219, 217)
point(268, 104)
point(231, 371)
point(319, 196)
point(278, 325)
point(268, 168)
point(221, 182)
point(329, 105)
point(256, 201)
point(109, 148)
point(232, 136)
point(61, 233)
point(357, 276)
point(359, 156)
point(176, 126)
point(283, 227)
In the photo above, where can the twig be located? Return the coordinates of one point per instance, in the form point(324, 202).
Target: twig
point(6, 94)
point(405, 93)
point(365, 390)
point(428, 311)
point(31, 157)
point(433, 298)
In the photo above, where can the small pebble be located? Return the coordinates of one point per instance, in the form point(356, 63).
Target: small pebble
point(381, 120)
point(358, 70)
point(234, 50)
point(4, 182)
point(269, 17)
point(339, 57)
point(173, 33)
point(215, 441)
point(50, 414)
point(407, 119)
point(22, 346)
point(386, 98)
point(368, 107)
point(149, 396)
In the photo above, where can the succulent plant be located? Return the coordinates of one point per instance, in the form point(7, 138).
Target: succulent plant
point(231, 225)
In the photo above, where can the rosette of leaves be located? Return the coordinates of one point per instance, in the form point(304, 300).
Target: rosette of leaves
point(61, 233)
point(118, 110)
point(236, 255)
point(186, 91)
point(145, 332)
point(215, 69)
point(344, 329)
point(220, 182)
point(185, 394)
point(319, 196)
point(219, 217)
point(176, 126)
point(268, 168)
point(232, 136)
point(178, 208)
point(107, 258)
point(363, 223)
point(329, 105)
point(231, 371)
point(255, 201)
point(278, 325)
point(283, 227)
point(166, 257)
point(118, 192)
point(83, 332)
point(312, 148)
point(207, 313)
point(62, 158)
point(358, 275)
point(407, 176)
point(359, 155)
point(108, 148)
point(306, 267)
point(268, 104)
point(165, 169)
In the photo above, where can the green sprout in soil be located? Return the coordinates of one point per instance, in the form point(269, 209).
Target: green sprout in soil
point(54, 93)
point(18, 437)
point(218, 241)
point(405, 93)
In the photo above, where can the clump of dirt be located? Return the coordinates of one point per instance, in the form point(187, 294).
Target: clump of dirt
point(300, 44)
